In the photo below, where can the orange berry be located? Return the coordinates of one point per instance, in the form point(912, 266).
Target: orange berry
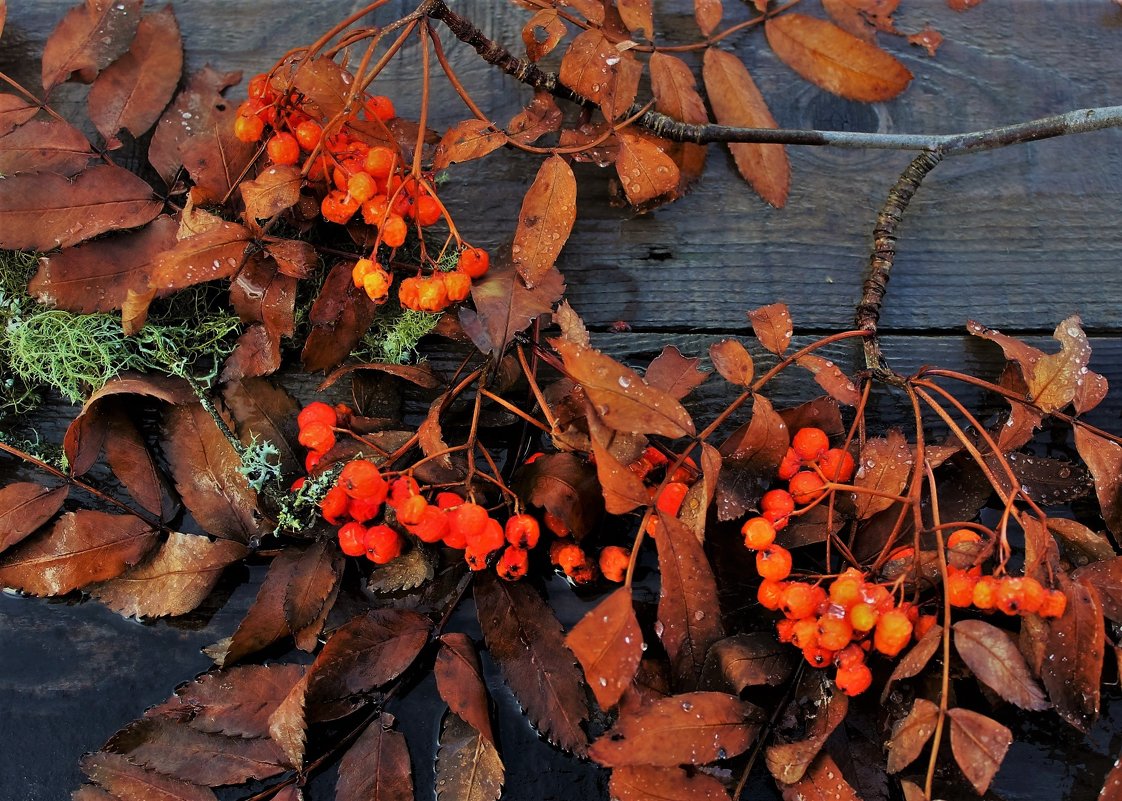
point(686, 472)
point(522, 531)
point(317, 436)
point(352, 539)
point(805, 633)
point(834, 633)
point(380, 162)
point(799, 600)
point(854, 679)
point(362, 479)
point(402, 489)
point(656, 457)
point(568, 557)
point(817, 656)
point(393, 231)
point(785, 630)
point(863, 616)
point(852, 654)
point(962, 536)
point(1054, 604)
point(1034, 595)
point(457, 285)
point(777, 500)
point(758, 533)
point(381, 108)
point(773, 562)
point(361, 187)
point(474, 262)
point(432, 527)
point(670, 499)
point(374, 211)
point(364, 510)
point(893, 632)
point(513, 564)
point(960, 587)
point(810, 443)
point(845, 591)
point(455, 539)
point(383, 544)
point(1010, 595)
point(297, 484)
point(476, 558)
point(778, 520)
point(258, 85)
point(837, 465)
point(283, 148)
point(448, 500)
point(249, 128)
point(557, 525)
point(790, 465)
point(805, 487)
point(412, 509)
point(338, 207)
point(376, 284)
point(490, 538)
point(409, 291)
point(924, 625)
point(613, 562)
point(316, 412)
point(770, 594)
point(361, 269)
point(334, 505)
point(427, 210)
point(308, 133)
point(311, 460)
point(878, 596)
point(431, 294)
point(467, 520)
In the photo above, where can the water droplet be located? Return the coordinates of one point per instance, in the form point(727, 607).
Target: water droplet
point(686, 706)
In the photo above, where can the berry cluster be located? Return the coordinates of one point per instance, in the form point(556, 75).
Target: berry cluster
point(362, 493)
point(360, 180)
point(1013, 595)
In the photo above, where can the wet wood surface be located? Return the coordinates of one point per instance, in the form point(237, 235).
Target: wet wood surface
point(1017, 239)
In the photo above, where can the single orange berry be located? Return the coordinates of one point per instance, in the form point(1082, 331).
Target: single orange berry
point(1054, 605)
point(317, 436)
point(361, 478)
point(777, 500)
point(308, 133)
point(758, 533)
point(432, 527)
point(686, 472)
point(338, 207)
point(878, 596)
point(863, 616)
point(613, 562)
point(770, 594)
point(810, 443)
point(778, 520)
point(383, 544)
point(380, 162)
point(522, 531)
point(490, 538)
point(297, 484)
point(852, 654)
point(409, 292)
point(334, 505)
point(381, 108)
point(474, 262)
point(448, 500)
point(476, 558)
point(818, 656)
point(361, 269)
point(316, 412)
point(249, 128)
point(805, 633)
point(467, 520)
point(960, 587)
point(376, 284)
point(785, 630)
point(513, 564)
point(402, 489)
point(375, 210)
point(1010, 595)
point(893, 632)
point(791, 464)
point(854, 680)
point(963, 536)
point(412, 510)
point(364, 510)
point(431, 294)
point(845, 591)
point(457, 285)
point(311, 460)
point(258, 85)
point(670, 499)
point(361, 187)
point(1034, 595)
point(569, 556)
point(834, 633)
point(799, 600)
point(427, 210)
point(773, 562)
point(352, 539)
point(806, 487)
point(393, 231)
point(283, 148)
point(837, 465)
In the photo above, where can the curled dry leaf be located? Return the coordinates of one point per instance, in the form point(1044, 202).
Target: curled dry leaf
point(772, 326)
point(747, 660)
point(763, 440)
point(688, 609)
point(89, 37)
point(376, 766)
point(134, 464)
point(1106, 578)
point(572, 326)
point(788, 762)
point(911, 734)
point(884, 465)
point(996, 661)
point(48, 145)
point(674, 374)
point(525, 639)
point(459, 680)
point(1084, 544)
point(271, 192)
point(608, 644)
point(737, 102)
point(24, 507)
point(565, 486)
point(134, 89)
point(466, 141)
point(706, 726)
point(294, 257)
point(542, 32)
point(837, 61)
point(213, 254)
point(468, 768)
point(263, 410)
point(830, 377)
point(733, 361)
point(979, 745)
point(644, 782)
point(548, 212)
point(83, 547)
point(1104, 459)
point(195, 108)
point(541, 115)
point(46, 211)
point(595, 68)
point(129, 782)
point(504, 305)
point(823, 782)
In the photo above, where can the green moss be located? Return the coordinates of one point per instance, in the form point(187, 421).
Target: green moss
point(394, 336)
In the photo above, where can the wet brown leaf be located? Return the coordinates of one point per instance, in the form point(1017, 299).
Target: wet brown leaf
point(205, 466)
point(407, 572)
point(598, 70)
point(565, 486)
point(748, 660)
point(572, 326)
point(541, 116)
point(129, 782)
point(996, 661)
point(24, 507)
point(979, 745)
point(707, 14)
point(194, 110)
point(822, 412)
point(459, 680)
point(264, 623)
point(688, 729)
point(830, 377)
point(646, 782)
point(638, 18)
point(695, 508)
point(916, 659)
point(1054, 379)
point(1083, 543)
point(466, 141)
point(46, 211)
point(133, 464)
point(836, 61)
point(98, 276)
point(608, 643)
point(911, 734)
point(263, 410)
point(526, 640)
point(736, 101)
point(211, 255)
point(789, 762)
point(884, 465)
point(15, 110)
point(132, 91)
point(1074, 646)
point(274, 190)
point(687, 606)
point(542, 32)
point(772, 326)
point(42, 146)
point(468, 767)
point(733, 361)
point(311, 584)
point(548, 212)
point(504, 305)
point(623, 490)
point(339, 316)
point(646, 171)
point(293, 257)
point(1106, 578)
point(823, 782)
point(676, 96)
point(763, 440)
point(1104, 460)
point(87, 39)
point(674, 374)
point(376, 767)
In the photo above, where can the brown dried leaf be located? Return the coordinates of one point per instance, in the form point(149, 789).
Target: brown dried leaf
point(598, 70)
point(823, 782)
point(788, 762)
point(623, 490)
point(748, 660)
point(15, 110)
point(98, 276)
point(132, 91)
point(763, 440)
point(288, 726)
point(46, 211)
point(525, 639)
point(376, 767)
point(736, 101)
point(646, 171)
point(263, 410)
point(311, 584)
point(733, 361)
point(837, 61)
point(43, 146)
point(264, 623)
point(1085, 544)
point(205, 466)
point(572, 326)
point(608, 643)
point(621, 397)
point(1053, 379)
point(542, 32)
point(366, 652)
point(646, 782)
point(884, 465)
point(687, 605)
point(1073, 684)
point(339, 316)
point(133, 464)
point(695, 507)
point(916, 659)
point(1106, 578)
point(87, 39)
point(1104, 460)
point(565, 486)
point(24, 507)
point(676, 96)
point(81, 548)
point(293, 257)
point(638, 17)
point(548, 212)
point(213, 254)
point(707, 14)
point(459, 680)
point(996, 661)
point(772, 326)
point(911, 734)
point(830, 377)
point(468, 767)
point(194, 110)
point(274, 190)
point(407, 572)
point(591, 10)
point(541, 116)
point(687, 729)
point(979, 745)
point(129, 782)
point(674, 374)
point(236, 702)
point(504, 305)
point(822, 412)
point(466, 141)
point(928, 38)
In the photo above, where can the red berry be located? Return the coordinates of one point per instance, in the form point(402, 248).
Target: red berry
point(837, 465)
point(432, 527)
point(402, 489)
point(613, 562)
point(334, 505)
point(316, 412)
point(317, 437)
point(810, 443)
point(777, 500)
point(249, 127)
point(364, 509)
point(513, 564)
point(854, 679)
point(773, 562)
point(806, 487)
point(758, 533)
point(799, 600)
point(381, 108)
point(490, 537)
point(412, 509)
point(790, 465)
point(382, 544)
point(467, 521)
point(474, 262)
point(770, 594)
point(522, 531)
point(362, 479)
point(308, 134)
point(283, 148)
point(352, 539)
